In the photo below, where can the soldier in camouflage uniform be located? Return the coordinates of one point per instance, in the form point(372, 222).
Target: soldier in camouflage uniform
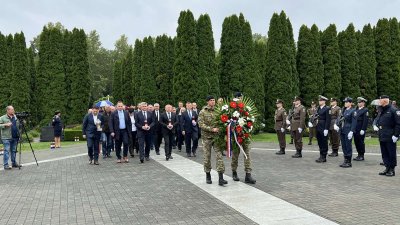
point(209, 130)
point(297, 125)
point(280, 126)
point(312, 122)
point(247, 162)
point(336, 111)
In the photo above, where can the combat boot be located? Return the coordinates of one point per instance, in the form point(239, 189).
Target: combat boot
point(249, 179)
point(281, 152)
point(235, 176)
point(346, 163)
point(291, 141)
point(390, 173)
point(208, 178)
point(221, 180)
point(321, 159)
point(334, 153)
point(298, 154)
point(384, 172)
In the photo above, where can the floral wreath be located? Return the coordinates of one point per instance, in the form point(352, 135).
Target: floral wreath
point(236, 121)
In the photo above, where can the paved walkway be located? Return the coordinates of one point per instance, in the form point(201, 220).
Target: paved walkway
point(65, 189)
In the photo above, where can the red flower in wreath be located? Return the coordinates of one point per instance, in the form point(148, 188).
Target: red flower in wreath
point(224, 118)
point(246, 113)
point(249, 124)
point(241, 105)
point(233, 104)
point(241, 110)
point(246, 135)
point(240, 140)
point(239, 129)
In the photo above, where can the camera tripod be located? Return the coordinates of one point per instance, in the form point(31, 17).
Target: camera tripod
point(21, 124)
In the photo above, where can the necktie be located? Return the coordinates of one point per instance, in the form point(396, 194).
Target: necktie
point(157, 115)
point(190, 114)
point(169, 116)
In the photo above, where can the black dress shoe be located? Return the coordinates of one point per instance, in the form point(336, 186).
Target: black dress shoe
point(382, 164)
point(16, 166)
point(7, 168)
point(167, 158)
point(320, 160)
point(91, 161)
point(383, 173)
point(194, 155)
point(132, 156)
point(96, 162)
point(170, 157)
point(390, 173)
point(141, 161)
point(359, 158)
point(188, 155)
point(147, 159)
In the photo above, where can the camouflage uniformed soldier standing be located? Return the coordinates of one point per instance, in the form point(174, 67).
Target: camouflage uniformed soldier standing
point(312, 122)
point(336, 111)
point(297, 125)
point(280, 125)
point(209, 130)
point(247, 162)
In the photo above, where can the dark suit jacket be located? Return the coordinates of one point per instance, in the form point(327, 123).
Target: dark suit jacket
point(89, 128)
point(157, 126)
point(164, 123)
point(114, 124)
point(186, 122)
point(139, 123)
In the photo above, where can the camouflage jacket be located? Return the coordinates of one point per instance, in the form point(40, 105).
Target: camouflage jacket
point(207, 122)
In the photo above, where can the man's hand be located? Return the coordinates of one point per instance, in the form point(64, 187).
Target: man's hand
point(183, 132)
point(283, 130)
point(112, 134)
point(394, 139)
point(336, 127)
point(84, 136)
point(9, 124)
point(300, 130)
point(350, 135)
point(288, 127)
point(287, 122)
point(362, 132)
point(376, 128)
point(310, 124)
point(215, 130)
point(325, 133)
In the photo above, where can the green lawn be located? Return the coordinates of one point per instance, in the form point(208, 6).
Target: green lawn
point(46, 145)
point(271, 137)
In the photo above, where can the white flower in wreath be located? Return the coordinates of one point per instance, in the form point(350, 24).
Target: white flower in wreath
point(241, 122)
point(248, 108)
point(235, 99)
point(251, 128)
point(236, 114)
point(225, 108)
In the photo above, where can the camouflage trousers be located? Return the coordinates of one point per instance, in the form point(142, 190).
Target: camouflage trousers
point(247, 162)
point(208, 144)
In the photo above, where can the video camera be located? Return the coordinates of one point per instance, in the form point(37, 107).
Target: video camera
point(22, 115)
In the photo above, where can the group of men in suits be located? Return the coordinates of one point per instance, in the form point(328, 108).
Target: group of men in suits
point(145, 126)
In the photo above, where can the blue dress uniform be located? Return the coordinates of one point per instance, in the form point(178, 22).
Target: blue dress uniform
point(388, 122)
point(323, 124)
point(361, 115)
point(348, 125)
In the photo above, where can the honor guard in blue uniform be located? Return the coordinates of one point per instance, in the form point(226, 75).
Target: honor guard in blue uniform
point(388, 127)
point(346, 125)
point(323, 124)
point(361, 115)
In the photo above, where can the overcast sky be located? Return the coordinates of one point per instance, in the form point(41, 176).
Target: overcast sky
point(140, 18)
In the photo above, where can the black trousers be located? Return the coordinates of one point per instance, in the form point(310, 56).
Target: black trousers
point(157, 138)
point(123, 139)
point(133, 143)
point(93, 147)
point(359, 143)
point(144, 145)
point(168, 139)
point(322, 143)
point(189, 137)
point(389, 156)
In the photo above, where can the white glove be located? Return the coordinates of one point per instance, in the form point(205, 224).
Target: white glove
point(376, 128)
point(300, 130)
point(283, 130)
point(325, 133)
point(394, 138)
point(287, 122)
point(288, 127)
point(350, 135)
point(336, 127)
point(310, 124)
point(84, 136)
point(362, 132)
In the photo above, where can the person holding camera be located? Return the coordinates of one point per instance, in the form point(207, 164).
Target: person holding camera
point(57, 125)
point(10, 136)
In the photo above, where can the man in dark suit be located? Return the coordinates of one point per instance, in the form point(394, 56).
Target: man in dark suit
point(168, 122)
point(91, 129)
point(194, 107)
point(190, 129)
point(157, 135)
point(144, 122)
point(120, 127)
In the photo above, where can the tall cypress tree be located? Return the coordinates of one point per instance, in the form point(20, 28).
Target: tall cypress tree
point(294, 72)
point(279, 74)
point(185, 66)
point(231, 61)
point(367, 63)
point(395, 46)
point(137, 70)
point(33, 89)
point(117, 81)
point(349, 62)
point(20, 81)
point(331, 61)
point(148, 82)
point(4, 73)
point(309, 63)
point(163, 64)
point(260, 53)
point(207, 80)
point(127, 74)
point(383, 53)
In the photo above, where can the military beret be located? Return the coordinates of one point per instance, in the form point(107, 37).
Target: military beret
point(383, 96)
point(279, 101)
point(322, 98)
point(361, 99)
point(209, 98)
point(312, 103)
point(238, 94)
point(348, 99)
point(333, 99)
point(297, 98)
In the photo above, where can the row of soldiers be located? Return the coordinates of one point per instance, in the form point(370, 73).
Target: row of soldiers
point(341, 125)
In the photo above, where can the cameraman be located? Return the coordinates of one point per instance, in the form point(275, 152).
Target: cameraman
point(9, 135)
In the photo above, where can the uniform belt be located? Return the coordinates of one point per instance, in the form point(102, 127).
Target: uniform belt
point(296, 119)
point(279, 120)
